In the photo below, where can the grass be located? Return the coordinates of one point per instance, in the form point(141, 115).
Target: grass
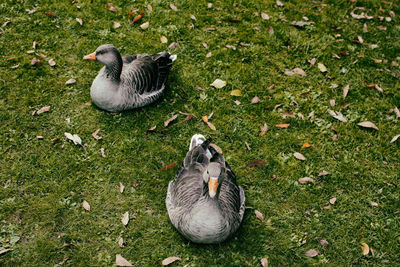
point(43, 182)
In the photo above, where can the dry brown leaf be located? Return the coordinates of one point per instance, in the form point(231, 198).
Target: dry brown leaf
point(86, 205)
point(305, 145)
point(121, 261)
point(258, 162)
point(168, 167)
point(95, 136)
point(255, 100)
point(305, 180)
point(43, 110)
point(163, 39)
point(323, 173)
point(125, 218)
point(332, 200)
point(121, 242)
point(212, 126)
point(323, 242)
point(167, 122)
point(395, 138)
point(138, 17)
point(345, 91)
point(102, 152)
point(299, 156)
point(259, 215)
point(217, 148)
point(116, 25)
point(49, 14)
point(236, 93)
point(121, 188)
point(368, 124)
point(364, 248)
point(80, 21)
point(322, 67)
point(152, 129)
point(284, 125)
point(287, 114)
point(112, 7)
point(264, 129)
point(36, 62)
point(264, 262)
point(377, 60)
point(311, 253)
point(170, 260)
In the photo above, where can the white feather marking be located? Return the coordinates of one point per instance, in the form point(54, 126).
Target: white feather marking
point(173, 57)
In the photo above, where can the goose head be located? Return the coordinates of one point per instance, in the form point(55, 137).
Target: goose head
point(213, 178)
point(105, 54)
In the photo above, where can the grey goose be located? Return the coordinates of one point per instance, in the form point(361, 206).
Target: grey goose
point(204, 202)
point(130, 81)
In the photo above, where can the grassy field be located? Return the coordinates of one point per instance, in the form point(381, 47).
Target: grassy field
point(45, 180)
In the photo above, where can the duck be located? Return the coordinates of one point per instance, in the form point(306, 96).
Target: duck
point(128, 82)
point(204, 203)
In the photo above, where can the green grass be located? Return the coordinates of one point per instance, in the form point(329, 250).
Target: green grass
point(43, 184)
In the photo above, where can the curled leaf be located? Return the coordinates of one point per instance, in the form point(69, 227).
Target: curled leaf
point(264, 129)
point(395, 138)
point(95, 136)
point(305, 145)
point(332, 200)
point(80, 21)
point(43, 110)
point(167, 122)
point(168, 167)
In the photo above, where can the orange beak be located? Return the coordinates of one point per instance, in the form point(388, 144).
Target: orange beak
point(91, 56)
point(212, 186)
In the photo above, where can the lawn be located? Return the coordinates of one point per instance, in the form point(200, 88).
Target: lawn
point(255, 47)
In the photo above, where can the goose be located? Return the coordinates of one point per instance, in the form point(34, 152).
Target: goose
point(204, 203)
point(130, 81)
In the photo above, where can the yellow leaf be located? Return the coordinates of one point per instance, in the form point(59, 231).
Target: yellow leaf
point(204, 118)
point(306, 144)
point(236, 93)
point(365, 248)
point(322, 67)
point(163, 39)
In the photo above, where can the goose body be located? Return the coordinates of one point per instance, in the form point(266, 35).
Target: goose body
point(204, 208)
point(128, 82)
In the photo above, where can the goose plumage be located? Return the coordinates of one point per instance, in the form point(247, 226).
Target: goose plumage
point(130, 81)
point(204, 202)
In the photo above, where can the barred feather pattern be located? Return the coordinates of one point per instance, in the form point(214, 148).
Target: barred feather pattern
point(192, 211)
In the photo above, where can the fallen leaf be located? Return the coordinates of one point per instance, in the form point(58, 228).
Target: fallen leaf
point(312, 61)
point(305, 145)
point(360, 39)
point(381, 27)
point(323, 173)
point(43, 110)
point(311, 253)
point(121, 188)
point(368, 124)
point(4, 251)
point(116, 25)
point(218, 84)
point(217, 148)
point(255, 100)
point(95, 136)
point(249, 148)
point(49, 14)
point(332, 102)
point(121, 242)
point(264, 129)
point(305, 180)
point(70, 81)
point(80, 21)
point(170, 260)
point(112, 7)
point(264, 262)
point(236, 93)
point(168, 167)
point(374, 204)
point(323, 242)
point(30, 11)
point(395, 138)
point(212, 126)
point(36, 62)
point(322, 67)
point(102, 152)
point(298, 71)
point(208, 55)
point(337, 115)
point(345, 91)
point(173, 7)
point(299, 156)
point(259, 215)
point(332, 200)
point(121, 261)
point(15, 66)
point(86, 205)
point(397, 112)
point(300, 24)
point(287, 114)
point(193, 17)
point(284, 125)
point(149, 8)
point(51, 62)
point(279, 3)
point(334, 85)
point(167, 122)
point(372, 253)
point(138, 17)
point(360, 16)
point(377, 60)
point(256, 163)
point(231, 47)
point(40, 55)
point(74, 138)
point(125, 218)
point(265, 16)
point(163, 39)
point(364, 248)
